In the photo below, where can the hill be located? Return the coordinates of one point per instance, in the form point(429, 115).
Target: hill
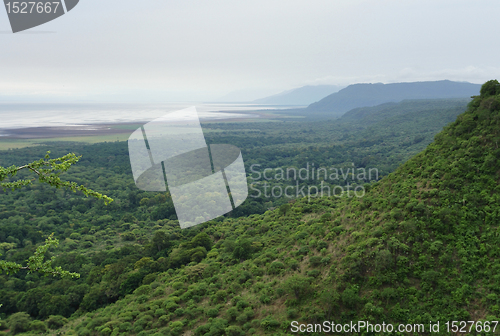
point(361, 95)
point(301, 96)
point(421, 246)
point(425, 109)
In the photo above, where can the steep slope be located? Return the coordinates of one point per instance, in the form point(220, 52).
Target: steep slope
point(360, 95)
point(301, 96)
point(422, 245)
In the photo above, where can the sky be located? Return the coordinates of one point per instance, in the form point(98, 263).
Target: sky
point(152, 51)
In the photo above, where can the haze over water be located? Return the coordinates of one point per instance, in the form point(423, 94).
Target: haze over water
point(52, 115)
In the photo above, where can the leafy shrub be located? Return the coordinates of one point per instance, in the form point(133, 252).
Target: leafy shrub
point(269, 323)
point(276, 267)
point(142, 298)
point(202, 330)
point(83, 332)
point(145, 289)
point(303, 250)
point(177, 285)
point(241, 304)
point(315, 261)
point(232, 313)
point(105, 332)
point(298, 285)
point(176, 327)
point(234, 331)
point(293, 264)
point(56, 321)
point(257, 271)
point(321, 245)
point(245, 275)
point(19, 322)
point(170, 305)
point(125, 326)
point(220, 295)
point(217, 327)
point(38, 326)
point(213, 312)
point(350, 296)
point(265, 299)
point(313, 273)
point(128, 236)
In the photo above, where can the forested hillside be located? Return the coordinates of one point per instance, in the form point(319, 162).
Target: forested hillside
point(422, 244)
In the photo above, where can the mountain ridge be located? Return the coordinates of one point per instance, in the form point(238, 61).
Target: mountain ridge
point(365, 95)
point(304, 95)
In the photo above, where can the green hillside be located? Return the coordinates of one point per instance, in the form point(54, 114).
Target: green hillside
point(422, 245)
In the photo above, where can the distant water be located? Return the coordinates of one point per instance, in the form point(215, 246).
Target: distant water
point(14, 116)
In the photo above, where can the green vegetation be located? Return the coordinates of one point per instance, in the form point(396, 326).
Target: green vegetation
point(422, 244)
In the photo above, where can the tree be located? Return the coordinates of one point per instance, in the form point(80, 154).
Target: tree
point(298, 285)
point(490, 88)
point(36, 262)
point(48, 171)
point(19, 322)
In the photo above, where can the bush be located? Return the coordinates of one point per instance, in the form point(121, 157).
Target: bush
point(145, 289)
point(293, 264)
point(298, 285)
point(164, 319)
point(269, 323)
point(125, 326)
point(231, 313)
point(38, 326)
point(217, 327)
point(265, 299)
point(128, 236)
point(176, 327)
point(221, 295)
point(213, 312)
point(315, 261)
point(56, 321)
point(19, 322)
point(276, 267)
point(234, 331)
point(202, 330)
point(241, 304)
point(105, 332)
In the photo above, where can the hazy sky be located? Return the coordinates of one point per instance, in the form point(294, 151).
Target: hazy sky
point(201, 50)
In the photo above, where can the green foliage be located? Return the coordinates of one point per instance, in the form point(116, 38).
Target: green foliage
point(19, 322)
point(48, 171)
point(490, 88)
point(298, 285)
point(37, 263)
point(56, 321)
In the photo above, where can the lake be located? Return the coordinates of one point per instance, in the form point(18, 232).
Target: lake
point(19, 115)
